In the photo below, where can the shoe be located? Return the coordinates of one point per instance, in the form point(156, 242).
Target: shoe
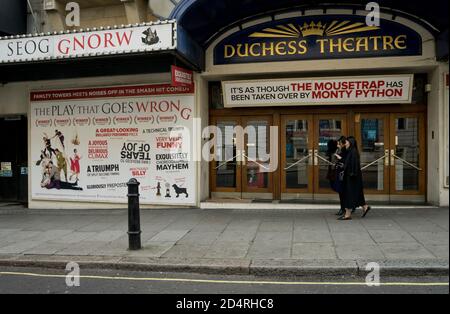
point(340, 212)
point(344, 218)
point(366, 211)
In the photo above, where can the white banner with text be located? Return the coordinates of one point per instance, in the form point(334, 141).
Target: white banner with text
point(319, 91)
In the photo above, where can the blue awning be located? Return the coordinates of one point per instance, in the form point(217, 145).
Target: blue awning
point(204, 19)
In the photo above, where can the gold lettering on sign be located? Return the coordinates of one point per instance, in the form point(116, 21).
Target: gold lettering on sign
point(362, 44)
point(266, 49)
point(229, 51)
point(325, 45)
point(280, 48)
point(252, 50)
point(349, 44)
point(387, 42)
point(400, 42)
point(303, 47)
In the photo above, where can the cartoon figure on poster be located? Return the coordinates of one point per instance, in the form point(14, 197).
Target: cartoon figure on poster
point(75, 165)
point(54, 163)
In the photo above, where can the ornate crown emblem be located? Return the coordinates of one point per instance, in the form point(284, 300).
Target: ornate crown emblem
point(312, 29)
point(334, 28)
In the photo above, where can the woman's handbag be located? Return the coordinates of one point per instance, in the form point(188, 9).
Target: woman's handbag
point(338, 184)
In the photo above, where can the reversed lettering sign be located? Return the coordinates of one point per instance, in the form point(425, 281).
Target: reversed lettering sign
point(318, 37)
point(319, 91)
point(84, 44)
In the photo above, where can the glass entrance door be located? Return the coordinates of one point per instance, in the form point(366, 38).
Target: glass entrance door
point(297, 145)
point(304, 159)
point(392, 153)
point(407, 154)
point(256, 171)
point(372, 134)
point(226, 171)
point(242, 156)
point(327, 128)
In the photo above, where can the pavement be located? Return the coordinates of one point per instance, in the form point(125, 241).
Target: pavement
point(225, 241)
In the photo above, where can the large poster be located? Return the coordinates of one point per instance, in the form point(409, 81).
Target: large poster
point(87, 143)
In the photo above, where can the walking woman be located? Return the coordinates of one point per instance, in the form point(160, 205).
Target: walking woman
point(353, 184)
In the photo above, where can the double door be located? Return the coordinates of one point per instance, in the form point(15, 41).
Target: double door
point(305, 157)
point(253, 162)
point(392, 150)
point(391, 147)
point(242, 167)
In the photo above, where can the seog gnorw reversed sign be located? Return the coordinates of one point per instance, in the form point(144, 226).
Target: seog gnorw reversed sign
point(319, 91)
point(142, 38)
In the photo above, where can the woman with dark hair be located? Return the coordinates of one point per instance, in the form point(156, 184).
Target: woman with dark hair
point(353, 191)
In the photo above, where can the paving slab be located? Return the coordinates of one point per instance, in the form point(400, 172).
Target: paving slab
point(405, 251)
point(200, 238)
point(440, 251)
point(19, 247)
point(221, 249)
point(434, 238)
point(152, 249)
point(187, 250)
point(352, 238)
point(46, 249)
point(108, 235)
point(21, 235)
point(169, 236)
point(75, 237)
point(81, 248)
point(391, 236)
point(268, 250)
point(312, 236)
point(359, 251)
point(276, 226)
point(313, 251)
point(237, 236)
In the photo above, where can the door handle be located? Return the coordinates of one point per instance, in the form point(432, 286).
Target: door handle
point(392, 157)
point(386, 159)
point(311, 156)
point(239, 158)
point(316, 160)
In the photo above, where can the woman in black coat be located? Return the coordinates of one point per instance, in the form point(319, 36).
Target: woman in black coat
point(353, 191)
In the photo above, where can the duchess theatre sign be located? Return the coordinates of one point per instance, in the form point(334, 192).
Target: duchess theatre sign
point(319, 91)
point(148, 37)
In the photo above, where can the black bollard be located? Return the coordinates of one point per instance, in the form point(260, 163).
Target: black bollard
point(134, 217)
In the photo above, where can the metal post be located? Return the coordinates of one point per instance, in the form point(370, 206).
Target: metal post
point(134, 219)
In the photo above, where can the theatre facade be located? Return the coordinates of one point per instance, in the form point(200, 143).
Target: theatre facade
point(111, 104)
